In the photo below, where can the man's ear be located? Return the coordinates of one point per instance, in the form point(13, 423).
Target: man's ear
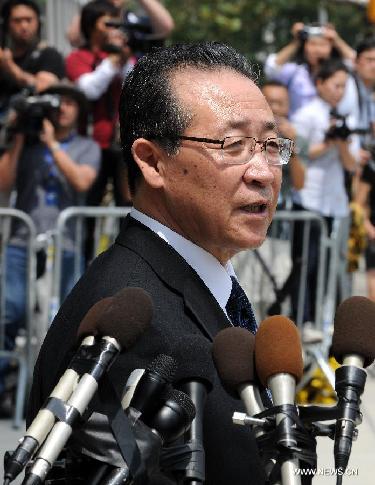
point(147, 156)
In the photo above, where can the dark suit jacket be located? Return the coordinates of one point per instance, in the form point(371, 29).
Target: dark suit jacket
point(182, 306)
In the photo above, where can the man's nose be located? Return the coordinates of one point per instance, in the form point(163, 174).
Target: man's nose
point(258, 169)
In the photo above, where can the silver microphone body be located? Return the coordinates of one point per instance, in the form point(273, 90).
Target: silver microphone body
point(283, 389)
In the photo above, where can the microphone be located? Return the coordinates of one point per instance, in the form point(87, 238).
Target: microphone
point(279, 364)
point(45, 419)
point(233, 354)
point(353, 345)
point(169, 423)
point(152, 386)
point(195, 377)
point(115, 336)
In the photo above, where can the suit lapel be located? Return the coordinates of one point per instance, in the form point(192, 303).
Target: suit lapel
point(176, 274)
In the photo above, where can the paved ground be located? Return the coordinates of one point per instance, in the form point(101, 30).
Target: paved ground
point(363, 453)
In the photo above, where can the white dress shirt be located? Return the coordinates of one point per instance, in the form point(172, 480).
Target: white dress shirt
point(214, 275)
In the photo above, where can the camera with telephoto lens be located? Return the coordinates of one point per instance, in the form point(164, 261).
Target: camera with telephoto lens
point(139, 35)
point(310, 31)
point(340, 130)
point(31, 110)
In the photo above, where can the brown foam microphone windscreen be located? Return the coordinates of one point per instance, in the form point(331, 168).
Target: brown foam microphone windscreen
point(90, 320)
point(354, 329)
point(127, 317)
point(233, 354)
point(278, 349)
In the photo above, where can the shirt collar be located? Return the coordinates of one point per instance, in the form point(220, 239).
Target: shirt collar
point(215, 276)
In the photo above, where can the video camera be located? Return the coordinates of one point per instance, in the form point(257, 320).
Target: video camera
point(138, 30)
point(340, 129)
point(310, 31)
point(31, 110)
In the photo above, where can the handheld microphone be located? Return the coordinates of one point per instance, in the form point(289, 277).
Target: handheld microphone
point(168, 423)
point(279, 364)
point(174, 418)
point(233, 354)
point(353, 345)
point(195, 377)
point(45, 419)
point(152, 386)
point(116, 335)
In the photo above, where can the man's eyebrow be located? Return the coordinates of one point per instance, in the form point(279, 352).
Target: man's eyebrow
point(267, 126)
point(270, 126)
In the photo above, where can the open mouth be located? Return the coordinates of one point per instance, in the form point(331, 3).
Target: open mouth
point(255, 208)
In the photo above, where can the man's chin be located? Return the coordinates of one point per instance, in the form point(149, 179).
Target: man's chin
point(253, 242)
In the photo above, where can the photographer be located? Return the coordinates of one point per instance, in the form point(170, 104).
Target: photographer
point(49, 176)
point(97, 69)
point(159, 18)
point(364, 77)
point(296, 64)
point(24, 61)
point(331, 150)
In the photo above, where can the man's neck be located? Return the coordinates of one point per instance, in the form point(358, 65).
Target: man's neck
point(153, 211)
point(369, 83)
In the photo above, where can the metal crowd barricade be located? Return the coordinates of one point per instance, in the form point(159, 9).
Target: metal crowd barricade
point(109, 216)
point(263, 271)
point(24, 356)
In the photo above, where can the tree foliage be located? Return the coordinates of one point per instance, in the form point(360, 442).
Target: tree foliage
point(259, 26)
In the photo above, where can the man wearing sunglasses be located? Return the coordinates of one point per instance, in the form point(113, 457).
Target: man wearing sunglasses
point(205, 164)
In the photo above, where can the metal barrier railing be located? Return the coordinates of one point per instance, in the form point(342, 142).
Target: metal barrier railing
point(257, 268)
point(331, 267)
point(25, 358)
point(106, 229)
point(78, 215)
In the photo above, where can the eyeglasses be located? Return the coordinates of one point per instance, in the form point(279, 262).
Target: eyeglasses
point(238, 150)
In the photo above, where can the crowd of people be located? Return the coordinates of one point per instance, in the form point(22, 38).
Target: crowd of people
point(48, 107)
point(185, 136)
point(60, 136)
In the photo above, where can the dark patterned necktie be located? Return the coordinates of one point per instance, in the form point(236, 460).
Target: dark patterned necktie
point(239, 308)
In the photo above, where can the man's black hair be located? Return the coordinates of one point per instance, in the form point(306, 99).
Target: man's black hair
point(366, 44)
point(149, 107)
point(91, 12)
point(7, 9)
point(328, 68)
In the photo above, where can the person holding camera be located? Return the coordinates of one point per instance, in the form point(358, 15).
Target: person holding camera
point(24, 61)
point(332, 148)
point(160, 20)
point(49, 175)
point(365, 188)
point(98, 69)
point(296, 64)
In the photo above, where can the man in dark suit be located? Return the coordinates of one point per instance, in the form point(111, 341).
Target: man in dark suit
point(204, 163)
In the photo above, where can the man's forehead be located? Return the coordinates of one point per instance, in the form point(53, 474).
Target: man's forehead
point(231, 96)
point(367, 54)
point(22, 10)
point(220, 82)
